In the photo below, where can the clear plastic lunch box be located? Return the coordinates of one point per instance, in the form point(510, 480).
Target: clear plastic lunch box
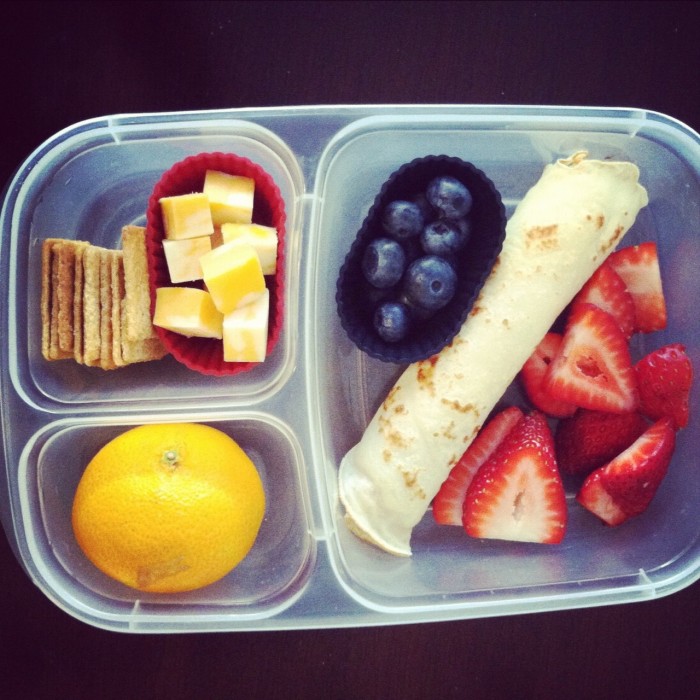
point(299, 412)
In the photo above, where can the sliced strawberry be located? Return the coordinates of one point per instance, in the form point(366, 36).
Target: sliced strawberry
point(590, 439)
point(665, 377)
point(517, 494)
point(607, 290)
point(593, 368)
point(638, 266)
point(448, 503)
point(624, 487)
point(533, 373)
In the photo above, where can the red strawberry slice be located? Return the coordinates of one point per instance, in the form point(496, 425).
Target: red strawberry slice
point(533, 373)
point(590, 439)
point(624, 487)
point(607, 291)
point(518, 494)
point(638, 266)
point(593, 367)
point(665, 377)
point(448, 503)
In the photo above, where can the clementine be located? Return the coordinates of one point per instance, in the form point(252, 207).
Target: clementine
point(168, 507)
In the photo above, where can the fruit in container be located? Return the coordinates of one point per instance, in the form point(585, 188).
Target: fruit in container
point(408, 256)
point(430, 282)
point(165, 508)
point(383, 262)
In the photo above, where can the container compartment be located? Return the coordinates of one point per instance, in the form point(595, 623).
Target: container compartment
point(270, 578)
point(448, 568)
point(87, 188)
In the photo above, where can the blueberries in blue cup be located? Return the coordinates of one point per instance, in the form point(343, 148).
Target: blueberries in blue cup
point(392, 321)
point(410, 265)
point(449, 197)
point(430, 282)
point(383, 262)
point(402, 219)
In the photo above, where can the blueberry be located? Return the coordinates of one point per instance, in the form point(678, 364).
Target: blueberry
point(392, 321)
point(383, 262)
point(449, 196)
point(430, 282)
point(442, 237)
point(402, 219)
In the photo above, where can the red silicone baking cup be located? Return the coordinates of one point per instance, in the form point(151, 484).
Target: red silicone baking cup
point(206, 355)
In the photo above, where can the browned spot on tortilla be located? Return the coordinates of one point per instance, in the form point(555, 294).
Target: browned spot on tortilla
point(409, 478)
point(390, 397)
point(607, 246)
point(393, 437)
point(425, 372)
point(600, 221)
point(542, 237)
point(386, 455)
point(457, 406)
point(474, 433)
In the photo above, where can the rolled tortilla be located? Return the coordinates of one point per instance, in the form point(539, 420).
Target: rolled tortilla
point(561, 231)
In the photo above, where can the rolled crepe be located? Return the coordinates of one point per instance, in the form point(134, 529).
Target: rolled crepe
point(561, 231)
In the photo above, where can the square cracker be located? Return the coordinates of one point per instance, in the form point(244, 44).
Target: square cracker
point(117, 289)
point(91, 306)
point(78, 305)
point(65, 252)
point(136, 286)
point(46, 288)
point(106, 333)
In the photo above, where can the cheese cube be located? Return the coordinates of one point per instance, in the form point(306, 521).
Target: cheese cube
point(186, 216)
point(230, 197)
point(187, 311)
point(245, 331)
point(183, 257)
point(233, 275)
point(262, 238)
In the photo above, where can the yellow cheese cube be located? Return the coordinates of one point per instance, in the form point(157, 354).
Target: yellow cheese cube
point(187, 311)
point(262, 238)
point(233, 275)
point(230, 197)
point(245, 331)
point(183, 257)
point(186, 216)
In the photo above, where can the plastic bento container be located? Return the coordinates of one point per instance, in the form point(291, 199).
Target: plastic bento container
point(297, 413)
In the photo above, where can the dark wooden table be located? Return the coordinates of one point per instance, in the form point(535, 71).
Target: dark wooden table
point(64, 62)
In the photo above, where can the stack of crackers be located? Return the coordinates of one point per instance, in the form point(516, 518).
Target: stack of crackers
point(96, 304)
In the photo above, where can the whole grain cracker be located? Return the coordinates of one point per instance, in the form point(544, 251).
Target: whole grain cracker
point(138, 296)
point(91, 306)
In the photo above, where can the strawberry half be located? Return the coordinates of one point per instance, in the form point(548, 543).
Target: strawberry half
point(665, 377)
point(517, 494)
point(590, 439)
point(624, 487)
point(449, 501)
point(593, 368)
point(607, 290)
point(638, 266)
point(532, 377)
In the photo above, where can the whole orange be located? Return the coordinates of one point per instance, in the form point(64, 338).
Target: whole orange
point(168, 507)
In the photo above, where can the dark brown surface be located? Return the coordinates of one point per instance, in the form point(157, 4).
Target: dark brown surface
point(64, 62)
